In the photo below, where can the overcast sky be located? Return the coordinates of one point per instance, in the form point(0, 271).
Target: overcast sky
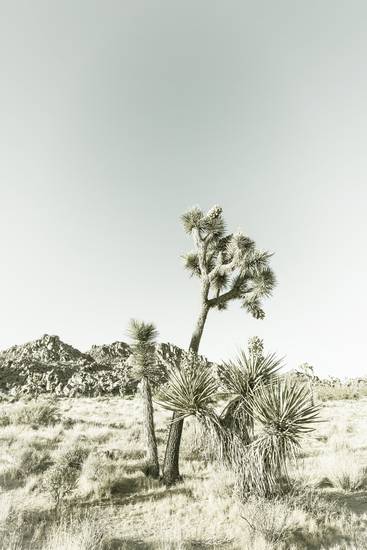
point(116, 116)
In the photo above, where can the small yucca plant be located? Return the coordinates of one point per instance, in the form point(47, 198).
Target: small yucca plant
point(241, 380)
point(189, 392)
point(285, 414)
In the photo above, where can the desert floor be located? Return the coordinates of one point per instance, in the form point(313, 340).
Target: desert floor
point(114, 506)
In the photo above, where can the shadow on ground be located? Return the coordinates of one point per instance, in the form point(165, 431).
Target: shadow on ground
point(130, 544)
point(354, 502)
point(138, 498)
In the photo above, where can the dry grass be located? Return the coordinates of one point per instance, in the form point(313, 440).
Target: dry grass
point(114, 506)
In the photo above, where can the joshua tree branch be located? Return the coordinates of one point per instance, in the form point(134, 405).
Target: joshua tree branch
point(201, 247)
point(223, 298)
point(223, 268)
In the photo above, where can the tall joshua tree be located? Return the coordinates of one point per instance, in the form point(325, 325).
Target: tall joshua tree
point(229, 268)
point(143, 336)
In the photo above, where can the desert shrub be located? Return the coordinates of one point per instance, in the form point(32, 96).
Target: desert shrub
point(353, 480)
point(35, 413)
point(341, 470)
point(21, 464)
point(105, 476)
point(75, 533)
point(68, 422)
point(44, 530)
point(61, 479)
point(34, 461)
point(135, 434)
point(10, 477)
point(20, 528)
point(4, 419)
point(313, 502)
point(337, 392)
point(269, 518)
point(75, 456)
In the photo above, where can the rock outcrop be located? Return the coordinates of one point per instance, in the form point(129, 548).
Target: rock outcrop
point(49, 365)
point(47, 349)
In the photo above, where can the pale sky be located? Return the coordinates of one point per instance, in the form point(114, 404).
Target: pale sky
point(116, 116)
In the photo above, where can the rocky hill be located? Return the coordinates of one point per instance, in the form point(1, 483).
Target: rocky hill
point(47, 349)
point(109, 354)
point(49, 365)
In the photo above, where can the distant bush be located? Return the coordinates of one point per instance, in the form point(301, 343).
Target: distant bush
point(35, 413)
point(337, 392)
point(28, 462)
point(61, 479)
point(4, 419)
point(34, 461)
point(271, 519)
point(76, 532)
point(331, 388)
point(105, 476)
point(43, 530)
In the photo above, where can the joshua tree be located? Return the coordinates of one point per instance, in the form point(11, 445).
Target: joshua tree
point(143, 336)
point(229, 268)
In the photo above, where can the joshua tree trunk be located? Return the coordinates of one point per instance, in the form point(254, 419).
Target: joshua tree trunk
point(198, 332)
point(152, 463)
point(171, 472)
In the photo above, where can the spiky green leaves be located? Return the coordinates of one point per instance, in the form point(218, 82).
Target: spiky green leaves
point(225, 262)
point(247, 373)
point(286, 414)
point(252, 305)
point(142, 359)
point(240, 380)
point(191, 262)
point(142, 333)
point(192, 219)
point(239, 246)
point(283, 414)
point(210, 225)
point(256, 262)
point(285, 409)
point(189, 392)
point(220, 281)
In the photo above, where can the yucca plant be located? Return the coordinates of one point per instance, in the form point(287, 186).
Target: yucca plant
point(191, 390)
point(284, 411)
point(241, 379)
point(189, 393)
point(142, 359)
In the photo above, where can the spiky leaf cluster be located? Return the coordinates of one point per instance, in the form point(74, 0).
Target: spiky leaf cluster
point(254, 393)
point(142, 359)
point(240, 380)
point(229, 265)
point(189, 392)
point(248, 372)
point(284, 408)
point(286, 415)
